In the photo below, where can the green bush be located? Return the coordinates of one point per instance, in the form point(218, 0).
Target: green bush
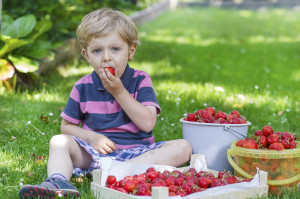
point(22, 47)
point(66, 14)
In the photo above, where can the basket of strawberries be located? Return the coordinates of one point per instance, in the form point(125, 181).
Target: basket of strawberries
point(278, 153)
point(211, 133)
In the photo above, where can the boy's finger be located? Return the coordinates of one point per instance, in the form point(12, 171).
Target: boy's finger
point(113, 146)
point(102, 152)
point(117, 73)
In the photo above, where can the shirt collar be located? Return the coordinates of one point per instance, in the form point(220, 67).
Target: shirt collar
point(126, 78)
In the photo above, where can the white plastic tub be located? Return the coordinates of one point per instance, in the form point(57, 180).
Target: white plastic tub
point(213, 140)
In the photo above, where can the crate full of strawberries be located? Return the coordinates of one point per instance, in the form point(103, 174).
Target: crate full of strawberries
point(178, 183)
point(135, 180)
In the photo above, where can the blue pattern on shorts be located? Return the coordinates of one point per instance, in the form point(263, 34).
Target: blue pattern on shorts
point(120, 155)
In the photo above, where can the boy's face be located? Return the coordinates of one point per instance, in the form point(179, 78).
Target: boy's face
point(109, 50)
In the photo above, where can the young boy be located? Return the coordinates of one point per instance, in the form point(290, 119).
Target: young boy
point(117, 112)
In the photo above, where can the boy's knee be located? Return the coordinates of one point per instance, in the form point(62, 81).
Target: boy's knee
point(60, 140)
point(186, 147)
point(183, 148)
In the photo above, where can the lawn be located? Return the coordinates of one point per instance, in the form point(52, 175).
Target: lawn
point(197, 57)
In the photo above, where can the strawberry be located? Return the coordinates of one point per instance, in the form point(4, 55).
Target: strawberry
point(285, 143)
point(169, 182)
point(111, 179)
point(276, 146)
point(203, 182)
point(130, 185)
point(166, 173)
point(258, 133)
point(224, 174)
point(262, 142)
point(111, 70)
point(150, 169)
point(143, 190)
point(240, 143)
point(206, 117)
point(181, 193)
point(159, 183)
point(217, 182)
point(175, 173)
point(111, 186)
point(221, 114)
point(199, 112)
point(179, 181)
point(273, 138)
point(250, 144)
point(267, 130)
point(190, 172)
point(230, 180)
point(286, 135)
point(211, 111)
point(121, 189)
point(222, 121)
point(293, 144)
point(293, 136)
point(173, 188)
point(150, 176)
point(191, 117)
point(198, 189)
point(235, 113)
point(187, 187)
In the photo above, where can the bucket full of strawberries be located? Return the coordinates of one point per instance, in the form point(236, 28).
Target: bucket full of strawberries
point(211, 133)
point(278, 153)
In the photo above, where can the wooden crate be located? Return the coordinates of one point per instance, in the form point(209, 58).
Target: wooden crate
point(162, 192)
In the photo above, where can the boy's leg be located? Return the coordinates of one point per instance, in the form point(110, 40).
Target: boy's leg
point(64, 153)
point(173, 153)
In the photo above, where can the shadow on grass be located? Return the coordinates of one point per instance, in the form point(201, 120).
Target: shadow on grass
point(230, 68)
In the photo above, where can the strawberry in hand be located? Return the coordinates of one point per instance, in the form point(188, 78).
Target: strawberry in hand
point(111, 70)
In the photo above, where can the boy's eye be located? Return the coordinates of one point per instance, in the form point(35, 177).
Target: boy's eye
point(97, 51)
point(115, 49)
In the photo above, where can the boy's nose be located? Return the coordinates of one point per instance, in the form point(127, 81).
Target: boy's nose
point(106, 56)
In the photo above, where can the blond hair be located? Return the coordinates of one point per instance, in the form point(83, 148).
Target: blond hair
point(103, 21)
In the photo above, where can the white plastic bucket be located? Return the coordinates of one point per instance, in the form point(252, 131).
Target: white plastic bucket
point(213, 140)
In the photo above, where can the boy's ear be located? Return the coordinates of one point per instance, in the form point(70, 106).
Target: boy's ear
point(84, 53)
point(132, 51)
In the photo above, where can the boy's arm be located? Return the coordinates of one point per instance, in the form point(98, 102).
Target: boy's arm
point(142, 116)
point(98, 141)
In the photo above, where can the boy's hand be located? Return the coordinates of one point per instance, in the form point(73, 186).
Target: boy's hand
point(112, 83)
point(102, 144)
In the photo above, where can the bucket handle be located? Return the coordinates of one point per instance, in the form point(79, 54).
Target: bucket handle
point(227, 128)
point(270, 182)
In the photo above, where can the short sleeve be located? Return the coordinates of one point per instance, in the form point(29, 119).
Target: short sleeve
point(72, 111)
point(146, 94)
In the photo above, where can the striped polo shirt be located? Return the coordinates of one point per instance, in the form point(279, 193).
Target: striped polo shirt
point(92, 105)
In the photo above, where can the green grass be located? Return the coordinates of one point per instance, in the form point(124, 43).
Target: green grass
point(228, 59)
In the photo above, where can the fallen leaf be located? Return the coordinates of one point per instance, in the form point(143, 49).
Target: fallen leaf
point(32, 155)
point(61, 108)
point(56, 121)
point(39, 160)
point(29, 174)
point(79, 179)
point(45, 118)
point(237, 105)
